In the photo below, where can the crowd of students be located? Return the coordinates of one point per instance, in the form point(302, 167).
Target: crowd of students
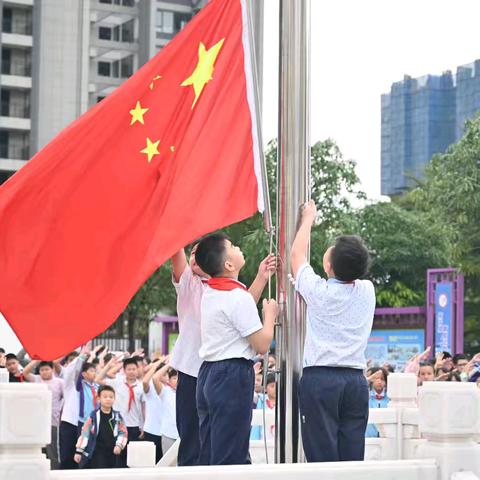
point(204, 393)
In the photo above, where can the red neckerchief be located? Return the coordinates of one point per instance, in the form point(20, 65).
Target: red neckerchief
point(94, 395)
point(270, 404)
point(131, 394)
point(225, 284)
point(378, 396)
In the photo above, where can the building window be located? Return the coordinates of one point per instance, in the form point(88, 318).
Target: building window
point(4, 143)
point(104, 33)
point(5, 109)
point(7, 20)
point(99, 99)
point(126, 66)
point(181, 19)
point(128, 31)
point(164, 22)
point(103, 69)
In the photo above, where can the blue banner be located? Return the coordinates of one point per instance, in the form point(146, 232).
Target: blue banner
point(443, 317)
point(394, 346)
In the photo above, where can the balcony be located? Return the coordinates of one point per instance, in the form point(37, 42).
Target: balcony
point(19, 69)
point(9, 109)
point(14, 152)
point(14, 123)
point(20, 26)
point(17, 40)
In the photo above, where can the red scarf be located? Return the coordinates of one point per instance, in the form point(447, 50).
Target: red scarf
point(131, 395)
point(94, 395)
point(225, 284)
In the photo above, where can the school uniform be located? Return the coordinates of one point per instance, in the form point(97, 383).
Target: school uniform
point(226, 378)
point(68, 431)
point(87, 399)
point(128, 401)
point(153, 420)
point(333, 391)
point(168, 427)
point(186, 360)
point(376, 400)
point(100, 434)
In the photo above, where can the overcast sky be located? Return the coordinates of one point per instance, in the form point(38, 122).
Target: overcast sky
point(359, 48)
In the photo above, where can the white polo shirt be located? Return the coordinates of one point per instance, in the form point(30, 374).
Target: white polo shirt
point(339, 319)
point(134, 416)
point(153, 411)
point(71, 399)
point(185, 357)
point(228, 317)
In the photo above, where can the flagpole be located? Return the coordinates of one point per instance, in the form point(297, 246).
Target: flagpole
point(293, 180)
point(256, 44)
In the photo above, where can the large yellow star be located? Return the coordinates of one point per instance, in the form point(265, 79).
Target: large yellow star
point(137, 114)
point(204, 70)
point(151, 149)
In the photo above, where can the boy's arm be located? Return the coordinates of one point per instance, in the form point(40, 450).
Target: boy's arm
point(262, 339)
point(82, 441)
point(27, 371)
point(149, 374)
point(157, 382)
point(299, 251)
point(122, 437)
point(179, 263)
point(266, 268)
point(113, 365)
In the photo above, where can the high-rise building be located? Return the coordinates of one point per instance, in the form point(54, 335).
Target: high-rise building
point(60, 57)
point(422, 117)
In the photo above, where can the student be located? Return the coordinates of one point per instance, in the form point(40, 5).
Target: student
point(152, 427)
point(129, 399)
point(12, 364)
point(68, 431)
point(166, 389)
point(268, 402)
point(189, 282)
point(55, 385)
point(2, 357)
point(333, 392)
point(87, 392)
point(104, 434)
point(378, 395)
point(426, 373)
point(232, 334)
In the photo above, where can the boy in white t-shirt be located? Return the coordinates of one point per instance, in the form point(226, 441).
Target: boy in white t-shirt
point(190, 282)
point(333, 391)
point(232, 334)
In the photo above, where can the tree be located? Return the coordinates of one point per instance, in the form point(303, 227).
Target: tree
point(450, 196)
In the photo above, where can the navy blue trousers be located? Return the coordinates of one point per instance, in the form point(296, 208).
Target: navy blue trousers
point(224, 402)
point(334, 413)
point(68, 436)
point(187, 420)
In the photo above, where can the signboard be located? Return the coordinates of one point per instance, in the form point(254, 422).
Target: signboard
point(172, 338)
point(394, 346)
point(443, 317)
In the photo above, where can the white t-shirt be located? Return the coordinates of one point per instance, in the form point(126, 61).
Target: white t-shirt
point(169, 418)
point(339, 319)
point(153, 412)
point(185, 357)
point(71, 400)
point(228, 317)
point(134, 417)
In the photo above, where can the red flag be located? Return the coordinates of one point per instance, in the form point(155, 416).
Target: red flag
point(169, 156)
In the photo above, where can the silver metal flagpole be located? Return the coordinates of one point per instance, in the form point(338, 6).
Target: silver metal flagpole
point(293, 179)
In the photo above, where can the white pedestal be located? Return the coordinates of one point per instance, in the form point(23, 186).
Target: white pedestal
point(25, 415)
point(141, 454)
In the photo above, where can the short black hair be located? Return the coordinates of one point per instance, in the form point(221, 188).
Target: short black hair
point(270, 378)
point(105, 388)
point(45, 364)
point(130, 361)
point(172, 373)
point(349, 258)
point(459, 356)
point(138, 359)
point(211, 253)
point(447, 354)
point(107, 357)
point(2, 350)
point(87, 365)
point(96, 361)
point(10, 356)
point(73, 354)
point(379, 369)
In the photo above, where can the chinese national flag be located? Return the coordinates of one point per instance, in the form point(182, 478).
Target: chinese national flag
point(169, 156)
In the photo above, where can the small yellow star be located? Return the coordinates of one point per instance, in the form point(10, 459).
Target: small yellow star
point(204, 70)
point(151, 149)
point(137, 114)
point(158, 77)
point(172, 148)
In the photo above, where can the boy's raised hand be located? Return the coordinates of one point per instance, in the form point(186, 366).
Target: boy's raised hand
point(268, 266)
point(270, 308)
point(309, 212)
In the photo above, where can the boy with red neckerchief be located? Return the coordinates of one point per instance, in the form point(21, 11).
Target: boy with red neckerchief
point(231, 335)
